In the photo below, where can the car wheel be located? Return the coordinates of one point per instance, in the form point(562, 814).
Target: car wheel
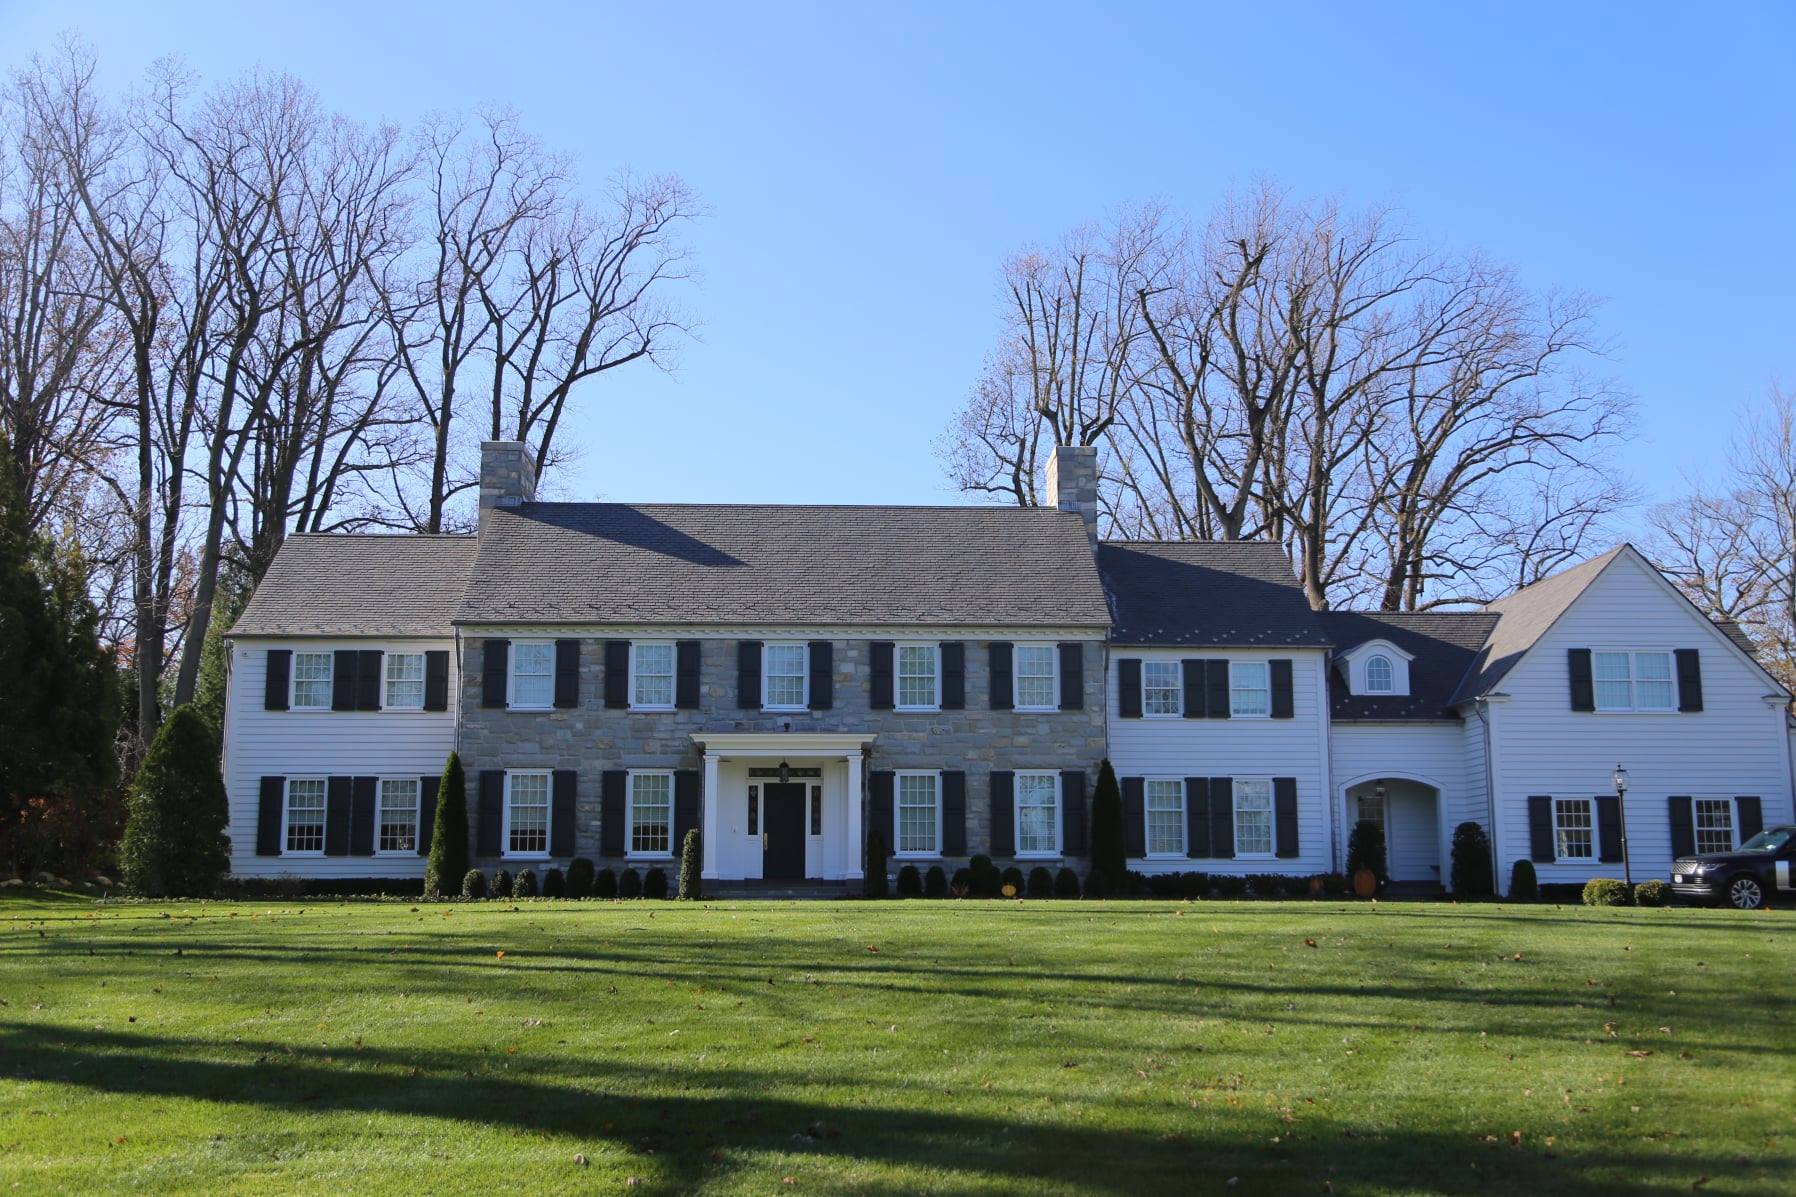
point(1744, 893)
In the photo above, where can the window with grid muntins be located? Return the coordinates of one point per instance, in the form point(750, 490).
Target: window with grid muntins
point(529, 813)
point(305, 814)
point(311, 681)
point(1253, 816)
point(651, 812)
point(1378, 675)
point(405, 681)
point(1036, 684)
point(532, 674)
point(1165, 817)
point(1371, 810)
point(1714, 825)
point(785, 675)
point(916, 675)
point(1572, 835)
point(1250, 693)
point(1037, 813)
point(654, 684)
point(1162, 687)
point(917, 793)
point(398, 814)
point(1633, 681)
point(816, 810)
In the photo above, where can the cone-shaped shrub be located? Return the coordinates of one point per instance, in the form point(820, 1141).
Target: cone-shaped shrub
point(910, 882)
point(876, 864)
point(986, 879)
point(448, 832)
point(524, 884)
point(1524, 883)
point(579, 878)
point(654, 884)
point(1041, 883)
point(629, 884)
point(175, 844)
point(1471, 862)
point(473, 884)
point(1066, 884)
point(692, 858)
point(1365, 850)
point(604, 883)
point(935, 882)
point(554, 884)
point(962, 884)
point(501, 885)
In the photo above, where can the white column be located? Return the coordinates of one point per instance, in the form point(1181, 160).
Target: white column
point(856, 847)
point(711, 802)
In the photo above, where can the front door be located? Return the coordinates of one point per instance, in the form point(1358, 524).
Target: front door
point(782, 832)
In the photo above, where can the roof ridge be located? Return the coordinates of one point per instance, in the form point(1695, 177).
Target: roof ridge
point(992, 507)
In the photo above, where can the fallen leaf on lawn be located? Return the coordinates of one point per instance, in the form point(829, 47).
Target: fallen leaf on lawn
point(120, 1140)
point(873, 949)
point(788, 1180)
point(1515, 1138)
point(500, 955)
point(580, 1159)
point(1309, 943)
point(1640, 1053)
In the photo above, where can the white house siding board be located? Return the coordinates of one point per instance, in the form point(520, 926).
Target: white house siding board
point(1178, 747)
point(1735, 745)
point(1432, 753)
point(261, 743)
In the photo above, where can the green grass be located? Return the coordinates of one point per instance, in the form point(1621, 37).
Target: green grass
point(1041, 1047)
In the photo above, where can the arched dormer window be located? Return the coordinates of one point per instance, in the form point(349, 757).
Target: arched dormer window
point(1378, 674)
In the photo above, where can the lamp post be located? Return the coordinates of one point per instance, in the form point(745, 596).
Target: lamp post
point(1621, 812)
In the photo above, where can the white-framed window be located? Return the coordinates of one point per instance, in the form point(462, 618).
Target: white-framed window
point(304, 834)
point(1253, 816)
point(1038, 813)
point(527, 814)
point(1162, 688)
point(1250, 690)
point(1714, 825)
point(396, 824)
point(1369, 808)
point(532, 674)
point(404, 682)
point(918, 815)
point(785, 677)
point(651, 675)
point(311, 681)
point(1165, 816)
point(1633, 681)
point(919, 677)
point(1378, 674)
point(651, 813)
point(1573, 829)
point(1035, 672)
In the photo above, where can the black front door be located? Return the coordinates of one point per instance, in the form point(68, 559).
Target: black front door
point(782, 832)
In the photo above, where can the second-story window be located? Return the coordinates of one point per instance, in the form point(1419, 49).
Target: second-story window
point(405, 682)
point(311, 681)
point(652, 676)
point(917, 677)
point(1378, 674)
point(1250, 693)
point(1634, 681)
point(1037, 677)
point(532, 673)
point(784, 674)
point(1162, 686)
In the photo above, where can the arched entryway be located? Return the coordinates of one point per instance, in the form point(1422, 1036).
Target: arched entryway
point(1409, 810)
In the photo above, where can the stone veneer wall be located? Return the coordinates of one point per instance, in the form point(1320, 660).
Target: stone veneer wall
point(591, 739)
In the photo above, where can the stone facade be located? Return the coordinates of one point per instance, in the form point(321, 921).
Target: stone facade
point(507, 474)
point(591, 738)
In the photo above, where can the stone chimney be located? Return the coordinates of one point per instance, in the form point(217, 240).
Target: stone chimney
point(1073, 483)
point(507, 475)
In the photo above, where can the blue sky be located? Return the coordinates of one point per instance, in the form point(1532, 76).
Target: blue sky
point(867, 168)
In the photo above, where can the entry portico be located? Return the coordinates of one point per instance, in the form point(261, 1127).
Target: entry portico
point(749, 814)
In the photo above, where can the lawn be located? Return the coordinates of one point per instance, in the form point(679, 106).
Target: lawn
point(849, 1047)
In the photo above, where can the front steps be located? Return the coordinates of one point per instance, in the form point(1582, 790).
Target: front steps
point(780, 890)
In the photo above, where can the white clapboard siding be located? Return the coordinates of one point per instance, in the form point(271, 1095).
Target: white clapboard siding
point(1433, 754)
point(261, 743)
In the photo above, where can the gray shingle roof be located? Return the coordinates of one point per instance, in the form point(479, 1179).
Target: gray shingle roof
point(1442, 645)
point(1523, 618)
point(790, 565)
point(1214, 593)
point(360, 585)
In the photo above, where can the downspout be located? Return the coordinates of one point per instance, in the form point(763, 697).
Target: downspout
point(1481, 705)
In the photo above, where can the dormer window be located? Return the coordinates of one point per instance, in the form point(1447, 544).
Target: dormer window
point(1378, 674)
point(1376, 667)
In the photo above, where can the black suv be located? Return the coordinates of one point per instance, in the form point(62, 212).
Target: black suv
point(1745, 878)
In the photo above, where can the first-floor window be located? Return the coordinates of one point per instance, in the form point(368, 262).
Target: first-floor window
point(1162, 687)
point(1037, 678)
point(786, 677)
point(651, 814)
point(1165, 817)
point(405, 682)
point(652, 675)
point(1370, 809)
point(527, 814)
point(1250, 694)
point(305, 814)
point(1714, 825)
point(311, 681)
point(918, 794)
point(1253, 816)
point(398, 814)
point(1572, 829)
point(1037, 814)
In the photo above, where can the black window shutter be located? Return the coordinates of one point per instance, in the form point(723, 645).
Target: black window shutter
point(1683, 827)
point(276, 680)
point(1128, 687)
point(1540, 828)
point(1222, 817)
point(748, 674)
point(1073, 838)
point(880, 786)
point(343, 687)
point(687, 784)
point(1003, 696)
point(617, 674)
point(1003, 812)
point(361, 817)
point(367, 680)
point(954, 813)
point(1583, 691)
point(1283, 700)
point(1751, 817)
point(567, 674)
point(495, 658)
point(339, 797)
point(611, 811)
point(1191, 673)
point(688, 656)
point(1216, 690)
point(822, 658)
point(561, 812)
point(1197, 815)
point(1689, 664)
point(879, 683)
point(1072, 677)
point(954, 676)
point(1284, 813)
point(1134, 794)
point(427, 813)
point(492, 802)
point(436, 680)
point(268, 816)
point(1608, 828)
